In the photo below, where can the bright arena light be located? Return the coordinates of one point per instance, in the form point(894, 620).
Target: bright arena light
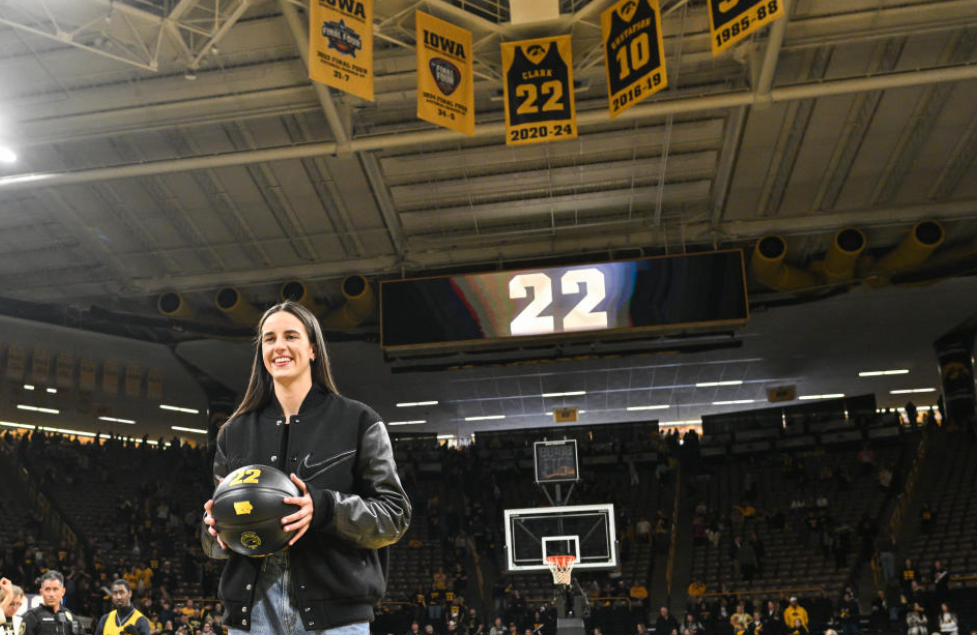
point(7, 155)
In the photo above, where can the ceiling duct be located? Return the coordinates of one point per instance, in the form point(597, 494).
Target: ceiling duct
point(360, 302)
point(232, 304)
point(296, 291)
point(768, 267)
point(915, 248)
point(171, 304)
point(842, 257)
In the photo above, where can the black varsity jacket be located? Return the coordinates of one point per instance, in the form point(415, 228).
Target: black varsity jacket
point(341, 451)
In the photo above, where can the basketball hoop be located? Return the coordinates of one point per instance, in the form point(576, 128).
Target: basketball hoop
point(560, 567)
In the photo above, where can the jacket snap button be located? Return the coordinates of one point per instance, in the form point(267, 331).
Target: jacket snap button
point(307, 609)
point(244, 609)
point(363, 562)
point(274, 457)
point(311, 623)
point(244, 622)
point(248, 587)
point(303, 587)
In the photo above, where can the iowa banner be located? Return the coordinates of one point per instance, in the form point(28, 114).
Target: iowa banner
point(539, 103)
point(445, 86)
point(732, 20)
point(341, 45)
point(634, 52)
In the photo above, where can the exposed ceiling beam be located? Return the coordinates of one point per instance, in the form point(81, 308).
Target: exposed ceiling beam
point(495, 129)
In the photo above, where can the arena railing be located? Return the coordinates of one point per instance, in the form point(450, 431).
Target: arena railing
point(779, 593)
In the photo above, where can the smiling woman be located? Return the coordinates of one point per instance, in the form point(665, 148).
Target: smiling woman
point(350, 506)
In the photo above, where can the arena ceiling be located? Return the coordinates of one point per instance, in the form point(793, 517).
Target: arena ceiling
point(179, 146)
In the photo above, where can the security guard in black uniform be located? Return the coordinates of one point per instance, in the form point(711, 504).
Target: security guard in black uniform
point(51, 618)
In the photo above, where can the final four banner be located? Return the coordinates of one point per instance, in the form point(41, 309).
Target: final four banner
point(732, 20)
point(539, 103)
point(445, 86)
point(341, 45)
point(634, 52)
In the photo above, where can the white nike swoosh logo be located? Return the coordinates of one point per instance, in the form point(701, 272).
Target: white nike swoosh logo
point(324, 465)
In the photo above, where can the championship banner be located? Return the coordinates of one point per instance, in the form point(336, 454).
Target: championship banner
point(86, 374)
point(341, 45)
point(110, 377)
point(445, 85)
point(539, 103)
point(41, 366)
point(154, 384)
point(133, 381)
point(65, 370)
point(16, 362)
point(634, 52)
point(732, 20)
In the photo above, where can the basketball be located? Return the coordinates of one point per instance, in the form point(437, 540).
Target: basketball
point(248, 509)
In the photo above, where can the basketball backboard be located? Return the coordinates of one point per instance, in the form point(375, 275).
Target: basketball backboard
point(584, 531)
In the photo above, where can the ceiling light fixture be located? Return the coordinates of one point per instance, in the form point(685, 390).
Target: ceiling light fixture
point(50, 411)
point(637, 408)
point(687, 422)
point(191, 411)
point(406, 423)
point(413, 404)
point(572, 393)
point(910, 390)
point(485, 418)
point(7, 155)
point(733, 402)
point(28, 387)
point(53, 391)
point(710, 384)
point(116, 420)
point(879, 373)
point(193, 430)
point(838, 395)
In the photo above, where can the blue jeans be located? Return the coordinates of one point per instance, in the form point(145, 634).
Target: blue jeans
point(274, 611)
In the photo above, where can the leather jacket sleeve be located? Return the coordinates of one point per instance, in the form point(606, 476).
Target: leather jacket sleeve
point(211, 547)
point(380, 514)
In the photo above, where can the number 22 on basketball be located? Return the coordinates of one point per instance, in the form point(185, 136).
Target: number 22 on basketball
point(581, 317)
point(245, 476)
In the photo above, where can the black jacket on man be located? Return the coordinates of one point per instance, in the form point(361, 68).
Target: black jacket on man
point(340, 449)
point(42, 620)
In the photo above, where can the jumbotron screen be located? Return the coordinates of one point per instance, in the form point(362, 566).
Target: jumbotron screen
point(650, 293)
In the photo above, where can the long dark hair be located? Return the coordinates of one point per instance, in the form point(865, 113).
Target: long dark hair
point(261, 388)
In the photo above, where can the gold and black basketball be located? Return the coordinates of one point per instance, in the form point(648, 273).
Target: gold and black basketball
point(248, 509)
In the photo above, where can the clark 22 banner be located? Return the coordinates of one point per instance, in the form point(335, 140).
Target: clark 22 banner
point(538, 76)
point(341, 45)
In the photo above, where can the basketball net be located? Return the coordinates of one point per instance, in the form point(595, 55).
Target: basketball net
point(561, 567)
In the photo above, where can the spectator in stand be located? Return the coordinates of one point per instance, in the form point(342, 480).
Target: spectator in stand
point(911, 414)
point(740, 620)
point(926, 517)
point(848, 614)
point(941, 582)
point(11, 598)
point(907, 576)
point(691, 625)
point(879, 618)
point(947, 620)
point(642, 530)
point(793, 612)
point(772, 622)
point(866, 458)
point(798, 628)
point(665, 623)
point(887, 556)
point(123, 618)
point(498, 628)
point(916, 621)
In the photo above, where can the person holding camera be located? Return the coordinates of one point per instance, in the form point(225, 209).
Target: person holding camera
point(124, 618)
point(50, 618)
point(11, 597)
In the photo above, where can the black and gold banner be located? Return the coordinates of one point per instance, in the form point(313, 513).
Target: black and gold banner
point(634, 52)
point(445, 86)
point(539, 104)
point(341, 45)
point(732, 20)
point(110, 377)
point(16, 362)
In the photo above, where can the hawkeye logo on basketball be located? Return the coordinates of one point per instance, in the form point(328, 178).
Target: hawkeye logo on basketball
point(242, 507)
point(349, 7)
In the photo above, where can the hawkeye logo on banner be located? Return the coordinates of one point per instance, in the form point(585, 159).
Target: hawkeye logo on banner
point(634, 51)
point(732, 20)
point(539, 102)
point(341, 45)
point(445, 90)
